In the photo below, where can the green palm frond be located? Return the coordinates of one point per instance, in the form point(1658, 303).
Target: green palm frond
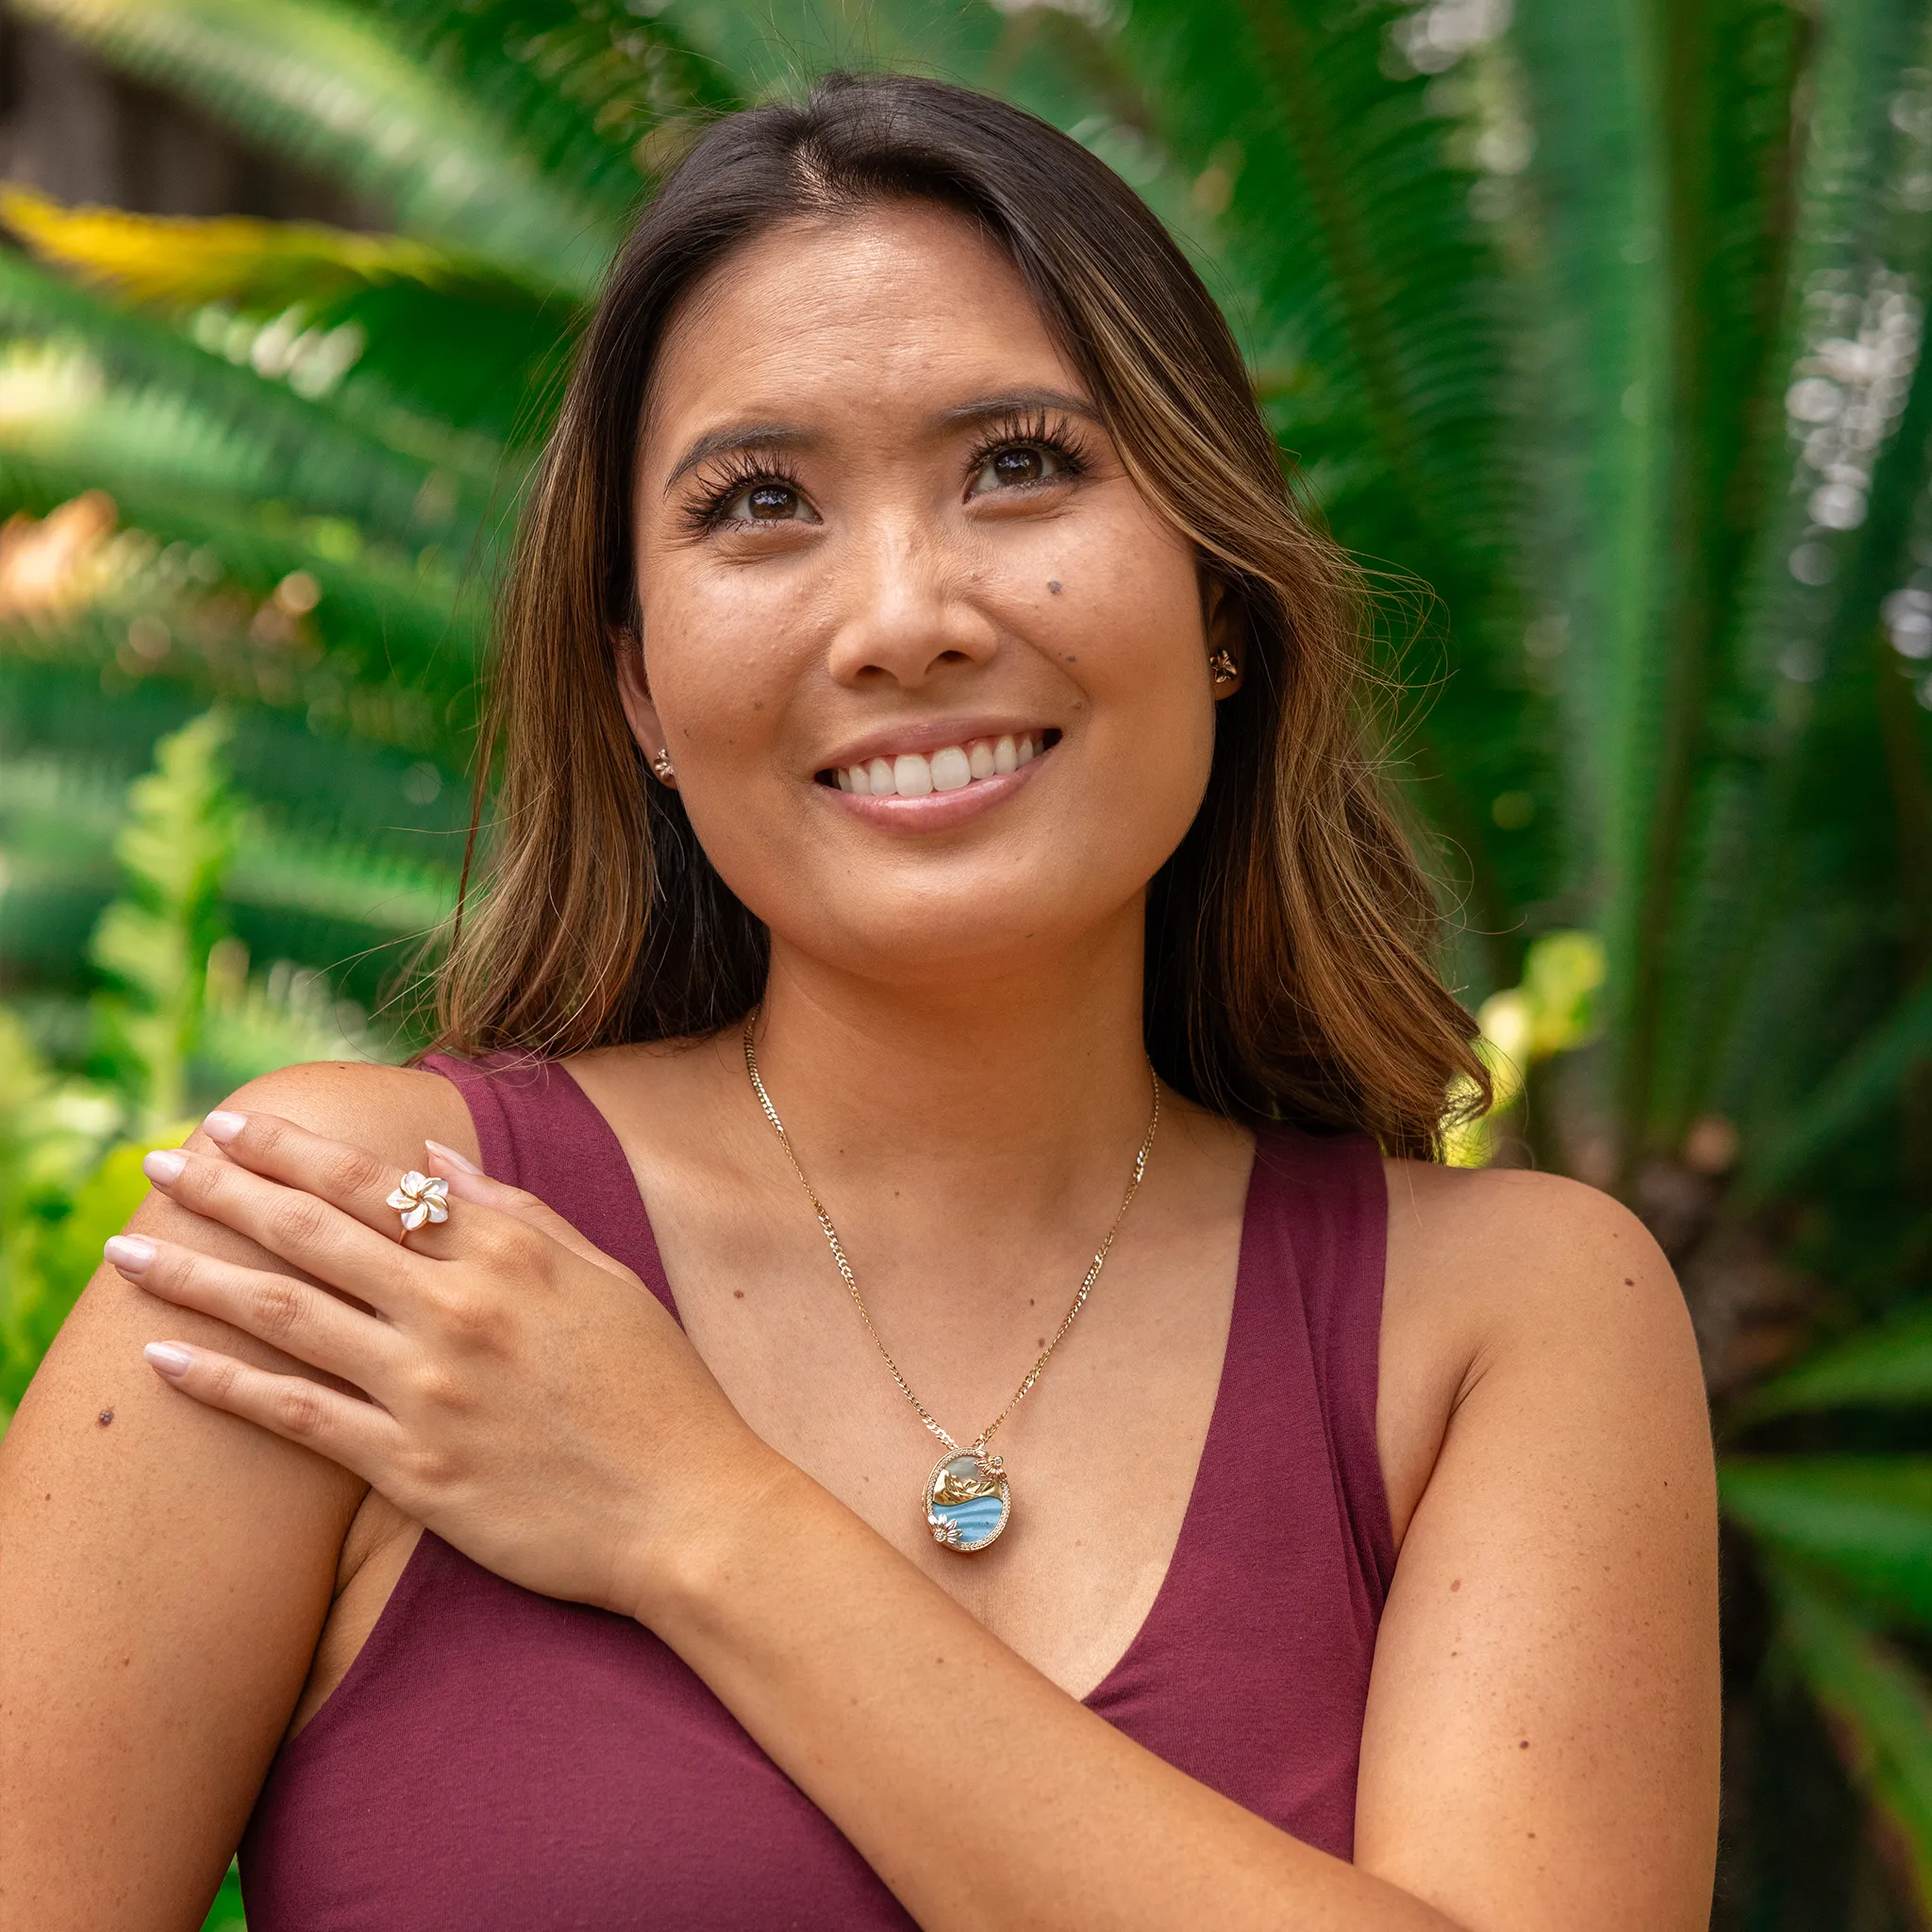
point(276, 443)
point(1375, 307)
point(328, 86)
point(1353, 230)
point(1868, 1079)
point(1787, 706)
point(1866, 1520)
point(1664, 186)
point(1593, 191)
point(603, 95)
point(1879, 1700)
point(374, 322)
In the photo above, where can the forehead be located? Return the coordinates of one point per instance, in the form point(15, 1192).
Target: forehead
point(905, 305)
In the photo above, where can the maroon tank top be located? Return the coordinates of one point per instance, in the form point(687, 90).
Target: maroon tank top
point(505, 1762)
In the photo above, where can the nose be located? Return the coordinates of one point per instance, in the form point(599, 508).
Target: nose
point(905, 610)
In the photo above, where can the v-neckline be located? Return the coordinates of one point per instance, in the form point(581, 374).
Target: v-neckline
point(652, 1273)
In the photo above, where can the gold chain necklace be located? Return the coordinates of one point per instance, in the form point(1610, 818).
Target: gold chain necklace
point(968, 1497)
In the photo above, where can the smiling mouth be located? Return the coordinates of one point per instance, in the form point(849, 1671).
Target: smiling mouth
point(953, 768)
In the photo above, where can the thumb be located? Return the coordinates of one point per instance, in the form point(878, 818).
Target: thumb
point(468, 1182)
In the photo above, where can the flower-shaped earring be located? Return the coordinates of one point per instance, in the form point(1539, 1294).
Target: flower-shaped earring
point(1222, 665)
point(662, 764)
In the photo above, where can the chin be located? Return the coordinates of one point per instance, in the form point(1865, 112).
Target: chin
point(925, 938)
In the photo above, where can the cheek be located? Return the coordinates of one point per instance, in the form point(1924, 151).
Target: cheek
point(719, 668)
point(1126, 630)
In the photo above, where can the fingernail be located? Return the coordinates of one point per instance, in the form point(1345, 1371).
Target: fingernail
point(461, 1162)
point(170, 1358)
point(164, 1165)
point(222, 1127)
point(130, 1253)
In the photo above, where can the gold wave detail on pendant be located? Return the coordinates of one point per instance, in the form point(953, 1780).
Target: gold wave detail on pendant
point(963, 1489)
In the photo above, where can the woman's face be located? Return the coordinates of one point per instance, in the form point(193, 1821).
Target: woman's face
point(881, 533)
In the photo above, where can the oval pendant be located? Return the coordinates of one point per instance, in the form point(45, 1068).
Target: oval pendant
point(967, 1500)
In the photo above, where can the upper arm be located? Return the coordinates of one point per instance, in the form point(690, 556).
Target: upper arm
point(1542, 1738)
point(164, 1577)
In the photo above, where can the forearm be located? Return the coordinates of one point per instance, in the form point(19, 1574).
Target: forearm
point(980, 1792)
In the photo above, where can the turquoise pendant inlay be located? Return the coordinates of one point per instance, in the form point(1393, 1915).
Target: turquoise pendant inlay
point(967, 1500)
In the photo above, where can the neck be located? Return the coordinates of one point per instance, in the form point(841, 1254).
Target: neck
point(1014, 1095)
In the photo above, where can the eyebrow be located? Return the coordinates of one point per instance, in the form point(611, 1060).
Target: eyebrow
point(718, 442)
point(1021, 402)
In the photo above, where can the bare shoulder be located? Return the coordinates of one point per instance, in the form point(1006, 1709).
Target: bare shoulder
point(390, 1110)
point(1498, 1268)
point(168, 1567)
point(1508, 1247)
point(1545, 1698)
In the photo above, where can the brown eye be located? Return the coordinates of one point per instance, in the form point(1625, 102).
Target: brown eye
point(771, 502)
point(1016, 465)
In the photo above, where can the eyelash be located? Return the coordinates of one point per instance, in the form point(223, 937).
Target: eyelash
point(1054, 434)
point(741, 471)
point(746, 469)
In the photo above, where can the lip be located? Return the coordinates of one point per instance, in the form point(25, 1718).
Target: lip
point(931, 736)
point(938, 811)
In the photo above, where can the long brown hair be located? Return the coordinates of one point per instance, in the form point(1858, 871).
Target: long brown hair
point(1289, 937)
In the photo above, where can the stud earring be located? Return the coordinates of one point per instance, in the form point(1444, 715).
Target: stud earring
point(662, 764)
point(1222, 665)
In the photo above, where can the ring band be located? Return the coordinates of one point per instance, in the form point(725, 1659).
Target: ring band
point(421, 1197)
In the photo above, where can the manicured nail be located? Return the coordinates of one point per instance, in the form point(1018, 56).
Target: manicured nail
point(222, 1127)
point(170, 1358)
point(164, 1165)
point(130, 1253)
point(461, 1162)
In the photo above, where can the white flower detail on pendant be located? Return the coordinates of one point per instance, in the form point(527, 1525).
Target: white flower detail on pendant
point(421, 1197)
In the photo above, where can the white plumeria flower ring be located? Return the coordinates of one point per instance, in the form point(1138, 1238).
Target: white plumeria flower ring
point(421, 1197)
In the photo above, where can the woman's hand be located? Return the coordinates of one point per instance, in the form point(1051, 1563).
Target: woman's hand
point(531, 1401)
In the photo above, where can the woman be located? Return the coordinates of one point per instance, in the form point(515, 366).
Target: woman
point(921, 707)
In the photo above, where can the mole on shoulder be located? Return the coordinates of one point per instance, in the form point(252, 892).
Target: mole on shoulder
point(105, 1416)
point(1053, 584)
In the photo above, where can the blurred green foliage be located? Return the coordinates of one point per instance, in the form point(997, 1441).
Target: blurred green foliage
point(175, 1015)
point(1603, 323)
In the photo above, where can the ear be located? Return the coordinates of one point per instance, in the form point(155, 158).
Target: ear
point(634, 694)
point(1221, 620)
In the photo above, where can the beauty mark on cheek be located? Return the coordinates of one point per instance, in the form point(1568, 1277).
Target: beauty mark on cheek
point(1053, 584)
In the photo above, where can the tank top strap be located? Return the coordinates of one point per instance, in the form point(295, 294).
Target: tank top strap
point(538, 1130)
point(1318, 1231)
point(1264, 1628)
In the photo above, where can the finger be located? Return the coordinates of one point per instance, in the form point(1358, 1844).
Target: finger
point(303, 1229)
point(469, 1184)
point(308, 1323)
point(346, 1176)
point(360, 1437)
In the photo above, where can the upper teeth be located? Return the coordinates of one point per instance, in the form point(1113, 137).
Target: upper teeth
point(912, 775)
